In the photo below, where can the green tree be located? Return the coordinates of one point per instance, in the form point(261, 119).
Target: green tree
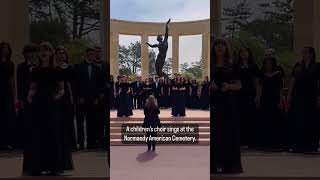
point(76, 50)
point(152, 62)
point(184, 67)
point(276, 27)
point(80, 16)
point(125, 71)
point(194, 69)
point(130, 57)
point(278, 11)
point(188, 75)
point(130, 60)
point(236, 17)
point(246, 39)
point(167, 67)
point(53, 32)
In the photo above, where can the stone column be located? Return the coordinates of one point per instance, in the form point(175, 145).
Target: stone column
point(144, 57)
point(306, 25)
point(215, 18)
point(205, 55)
point(14, 18)
point(316, 39)
point(104, 31)
point(114, 54)
point(175, 53)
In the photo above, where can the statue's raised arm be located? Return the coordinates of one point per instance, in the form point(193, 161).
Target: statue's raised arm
point(152, 45)
point(167, 30)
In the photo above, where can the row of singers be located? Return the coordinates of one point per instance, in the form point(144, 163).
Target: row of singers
point(196, 95)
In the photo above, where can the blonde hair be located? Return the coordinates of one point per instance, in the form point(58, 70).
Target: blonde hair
point(151, 102)
point(46, 46)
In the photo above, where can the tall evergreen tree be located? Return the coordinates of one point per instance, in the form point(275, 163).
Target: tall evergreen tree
point(236, 17)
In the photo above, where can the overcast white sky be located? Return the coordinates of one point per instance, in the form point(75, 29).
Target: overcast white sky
point(161, 11)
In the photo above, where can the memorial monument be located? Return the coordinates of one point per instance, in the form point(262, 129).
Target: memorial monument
point(163, 48)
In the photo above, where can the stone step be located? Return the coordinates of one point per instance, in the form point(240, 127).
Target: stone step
point(117, 135)
point(200, 123)
point(117, 129)
point(202, 142)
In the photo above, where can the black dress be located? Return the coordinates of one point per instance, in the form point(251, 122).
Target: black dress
point(204, 96)
point(178, 100)
point(165, 95)
point(303, 108)
point(225, 142)
point(269, 130)
point(7, 113)
point(131, 96)
point(194, 98)
point(247, 108)
point(46, 146)
point(151, 120)
point(124, 108)
point(68, 110)
point(23, 84)
point(187, 94)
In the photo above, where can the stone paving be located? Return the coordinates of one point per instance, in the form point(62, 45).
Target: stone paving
point(192, 162)
point(86, 164)
point(166, 113)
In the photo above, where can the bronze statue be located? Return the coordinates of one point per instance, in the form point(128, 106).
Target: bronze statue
point(163, 48)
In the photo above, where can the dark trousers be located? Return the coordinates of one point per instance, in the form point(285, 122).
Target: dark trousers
point(137, 101)
point(86, 112)
point(101, 123)
point(69, 120)
point(7, 117)
point(151, 143)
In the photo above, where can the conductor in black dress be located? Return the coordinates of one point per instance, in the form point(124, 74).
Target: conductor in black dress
point(151, 112)
point(225, 142)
